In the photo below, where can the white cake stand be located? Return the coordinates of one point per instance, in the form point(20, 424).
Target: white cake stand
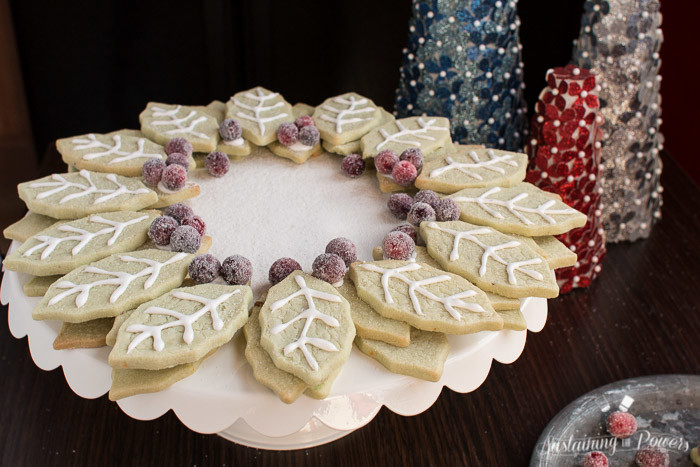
point(223, 397)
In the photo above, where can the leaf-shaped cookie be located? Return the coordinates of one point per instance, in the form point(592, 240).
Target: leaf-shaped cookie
point(426, 133)
point(555, 252)
point(30, 224)
point(112, 285)
point(181, 326)
point(63, 247)
point(162, 122)
point(424, 297)
point(346, 118)
point(78, 194)
point(522, 209)
point(260, 112)
point(494, 261)
point(306, 327)
point(121, 152)
point(468, 167)
point(424, 358)
point(238, 147)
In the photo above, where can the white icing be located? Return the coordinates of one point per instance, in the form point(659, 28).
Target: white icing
point(464, 167)
point(121, 279)
point(91, 142)
point(309, 315)
point(180, 124)
point(299, 147)
point(543, 210)
point(236, 142)
point(343, 116)
point(402, 136)
point(418, 287)
point(260, 97)
point(209, 305)
point(61, 184)
point(490, 252)
point(83, 237)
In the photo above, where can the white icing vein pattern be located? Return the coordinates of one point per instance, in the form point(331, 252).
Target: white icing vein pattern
point(410, 137)
point(119, 279)
point(209, 305)
point(471, 168)
point(450, 303)
point(60, 184)
point(349, 115)
point(259, 108)
point(83, 237)
point(309, 315)
point(543, 210)
point(183, 125)
point(490, 252)
point(91, 142)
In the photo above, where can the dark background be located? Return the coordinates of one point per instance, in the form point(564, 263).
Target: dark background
point(93, 66)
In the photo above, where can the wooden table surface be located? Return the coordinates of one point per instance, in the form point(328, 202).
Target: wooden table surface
point(639, 318)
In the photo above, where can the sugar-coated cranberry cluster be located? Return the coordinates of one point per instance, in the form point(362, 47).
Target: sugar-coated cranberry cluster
point(424, 206)
point(330, 266)
point(403, 169)
point(235, 270)
point(303, 131)
point(173, 172)
point(178, 228)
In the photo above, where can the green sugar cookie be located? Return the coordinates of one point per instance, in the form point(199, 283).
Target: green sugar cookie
point(162, 122)
point(260, 112)
point(426, 133)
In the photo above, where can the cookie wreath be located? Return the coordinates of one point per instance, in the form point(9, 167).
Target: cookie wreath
point(168, 306)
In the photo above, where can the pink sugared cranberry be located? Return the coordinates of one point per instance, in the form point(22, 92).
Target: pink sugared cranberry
point(344, 248)
point(404, 173)
point(594, 459)
point(398, 245)
point(352, 166)
point(174, 177)
point(399, 204)
point(281, 268)
point(385, 161)
point(329, 267)
point(287, 133)
point(621, 424)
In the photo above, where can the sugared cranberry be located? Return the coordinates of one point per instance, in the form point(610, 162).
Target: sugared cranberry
point(230, 130)
point(237, 270)
point(621, 424)
point(204, 268)
point(217, 164)
point(304, 120)
point(352, 166)
point(398, 245)
point(344, 248)
point(309, 136)
point(179, 212)
point(196, 222)
point(329, 267)
point(399, 204)
point(404, 173)
point(426, 196)
point(161, 229)
point(152, 171)
point(420, 212)
point(652, 456)
point(385, 161)
point(179, 159)
point(185, 239)
point(594, 459)
point(409, 230)
point(281, 268)
point(174, 177)
point(446, 210)
point(179, 145)
point(414, 156)
point(287, 133)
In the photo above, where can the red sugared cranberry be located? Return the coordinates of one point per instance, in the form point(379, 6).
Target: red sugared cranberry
point(328, 267)
point(409, 230)
point(196, 222)
point(161, 229)
point(217, 164)
point(414, 156)
point(309, 136)
point(426, 196)
point(281, 268)
point(179, 145)
point(204, 268)
point(230, 130)
point(179, 159)
point(399, 204)
point(385, 161)
point(237, 270)
point(404, 173)
point(344, 248)
point(287, 133)
point(594, 459)
point(185, 239)
point(652, 456)
point(420, 212)
point(304, 120)
point(152, 171)
point(446, 210)
point(352, 166)
point(621, 424)
point(398, 245)
point(174, 177)
point(179, 212)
